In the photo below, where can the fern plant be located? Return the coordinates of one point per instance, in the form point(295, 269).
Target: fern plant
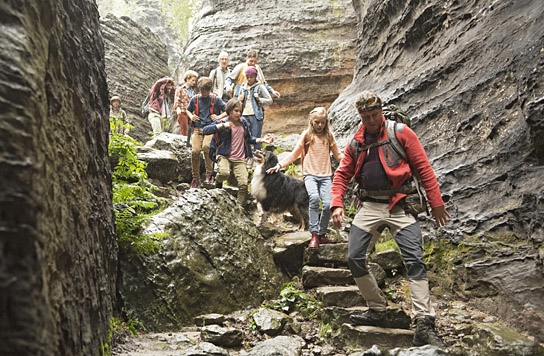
point(133, 198)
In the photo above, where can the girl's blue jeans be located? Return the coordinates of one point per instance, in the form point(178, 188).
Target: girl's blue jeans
point(319, 189)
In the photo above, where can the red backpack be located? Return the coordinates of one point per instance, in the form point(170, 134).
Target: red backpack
point(211, 106)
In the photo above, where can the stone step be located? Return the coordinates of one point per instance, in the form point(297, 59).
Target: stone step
point(367, 336)
point(346, 296)
point(322, 276)
point(288, 250)
point(314, 276)
point(336, 316)
point(329, 255)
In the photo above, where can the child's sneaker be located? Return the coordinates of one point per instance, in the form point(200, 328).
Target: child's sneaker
point(209, 179)
point(324, 239)
point(195, 183)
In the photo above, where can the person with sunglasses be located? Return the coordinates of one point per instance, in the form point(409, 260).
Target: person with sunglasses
point(381, 172)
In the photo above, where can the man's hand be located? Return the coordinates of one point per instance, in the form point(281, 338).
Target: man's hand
point(276, 94)
point(440, 215)
point(338, 216)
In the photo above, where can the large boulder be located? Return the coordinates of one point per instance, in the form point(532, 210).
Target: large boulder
point(167, 157)
point(214, 260)
point(58, 258)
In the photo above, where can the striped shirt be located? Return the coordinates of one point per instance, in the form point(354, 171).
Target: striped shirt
point(317, 161)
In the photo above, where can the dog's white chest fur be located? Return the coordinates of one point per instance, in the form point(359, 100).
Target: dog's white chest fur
point(258, 189)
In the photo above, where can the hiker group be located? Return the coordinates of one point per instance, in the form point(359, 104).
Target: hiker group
point(384, 158)
point(245, 88)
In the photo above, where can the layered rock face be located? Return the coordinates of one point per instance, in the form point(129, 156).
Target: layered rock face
point(306, 50)
point(57, 238)
point(147, 14)
point(135, 59)
point(470, 73)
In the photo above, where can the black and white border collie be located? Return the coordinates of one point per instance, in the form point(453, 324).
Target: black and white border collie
point(278, 192)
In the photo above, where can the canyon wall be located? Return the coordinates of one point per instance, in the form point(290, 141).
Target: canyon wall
point(58, 252)
point(306, 50)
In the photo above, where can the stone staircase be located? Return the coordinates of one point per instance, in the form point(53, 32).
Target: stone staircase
point(326, 273)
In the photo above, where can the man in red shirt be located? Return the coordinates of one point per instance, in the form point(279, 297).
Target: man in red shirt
point(381, 173)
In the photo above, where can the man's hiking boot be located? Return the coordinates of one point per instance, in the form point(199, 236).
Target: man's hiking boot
point(370, 317)
point(195, 183)
point(314, 241)
point(425, 333)
point(323, 239)
point(218, 184)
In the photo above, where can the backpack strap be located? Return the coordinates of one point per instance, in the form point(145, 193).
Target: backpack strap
point(357, 147)
point(212, 104)
point(392, 134)
point(196, 103)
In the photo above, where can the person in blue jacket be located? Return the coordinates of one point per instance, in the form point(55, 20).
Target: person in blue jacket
point(253, 96)
point(233, 142)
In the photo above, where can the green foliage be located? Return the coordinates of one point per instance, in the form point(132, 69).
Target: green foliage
point(325, 331)
point(292, 299)
point(387, 245)
point(292, 170)
point(350, 211)
point(181, 14)
point(133, 198)
point(119, 331)
point(123, 149)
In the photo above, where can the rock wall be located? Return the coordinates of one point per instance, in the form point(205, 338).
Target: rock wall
point(57, 239)
point(306, 50)
point(135, 59)
point(471, 75)
point(147, 14)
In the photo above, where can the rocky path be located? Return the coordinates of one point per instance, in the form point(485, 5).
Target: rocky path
point(324, 274)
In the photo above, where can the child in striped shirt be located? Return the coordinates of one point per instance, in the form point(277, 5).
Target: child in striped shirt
point(314, 147)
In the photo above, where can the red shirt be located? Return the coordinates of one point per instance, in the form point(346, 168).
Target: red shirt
point(396, 169)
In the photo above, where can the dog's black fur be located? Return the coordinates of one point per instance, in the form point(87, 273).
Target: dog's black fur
point(278, 192)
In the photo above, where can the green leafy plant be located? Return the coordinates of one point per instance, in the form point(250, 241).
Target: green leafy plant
point(133, 198)
point(325, 331)
point(292, 170)
point(292, 298)
point(350, 210)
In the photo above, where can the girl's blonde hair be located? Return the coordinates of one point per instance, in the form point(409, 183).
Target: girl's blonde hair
point(315, 113)
point(189, 74)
